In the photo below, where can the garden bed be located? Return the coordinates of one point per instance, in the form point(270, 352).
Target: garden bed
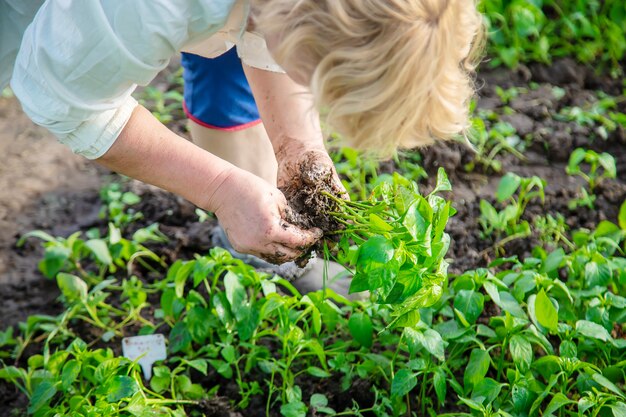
point(535, 102)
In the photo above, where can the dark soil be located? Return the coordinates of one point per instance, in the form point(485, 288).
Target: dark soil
point(551, 141)
point(309, 200)
point(63, 211)
point(306, 195)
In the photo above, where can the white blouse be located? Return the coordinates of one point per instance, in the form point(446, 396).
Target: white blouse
point(80, 60)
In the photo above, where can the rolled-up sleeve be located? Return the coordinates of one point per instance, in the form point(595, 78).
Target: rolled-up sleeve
point(79, 61)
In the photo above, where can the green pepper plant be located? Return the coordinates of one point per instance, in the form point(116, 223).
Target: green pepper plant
point(507, 224)
point(593, 168)
point(401, 245)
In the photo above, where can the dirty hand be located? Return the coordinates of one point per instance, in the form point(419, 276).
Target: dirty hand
point(299, 164)
point(251, 212)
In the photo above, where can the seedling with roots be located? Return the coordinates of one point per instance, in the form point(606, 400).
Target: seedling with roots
point(401, 245)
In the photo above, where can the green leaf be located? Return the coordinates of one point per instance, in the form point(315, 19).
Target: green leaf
point(161, 378)
point(592, 330)
point(489, 212)
point(41, 396)
point(509, 303)
point(559, 400)
point(441, 389)
point(607, 161)
point(553, 261)
point(471, 303)
point(294, 409)
point(568, 349)
point(235, 292)
point(376, 251)
point(180, 279)
point(507, 186)
point(55, 258)
point(618, 409)
point(597, 274)
point(361, 329)
point(199, 365)
point(318, 372)
point(443, 183)
point(222, 368)
point(488, 389)
point(373, 269)
point(521, 397)
point(100, 249)
point(477, 368)
point(180, 338)
point(130, 199)
point(199, 323)
point(11, 373)
point(430, 340)
point(403, 382)
point(247, 320)
point(70, 372)
point(575, 159)
point(418, 221)
point(39, 234)
point(120, 387)
point(433, 342)
point(378, 224)
point(521, 352)
point(408, 319)
point(545, 311)
point(318, 400)
point(622, 216)
point(72, 287)
point(602, 380)
point(229, 353)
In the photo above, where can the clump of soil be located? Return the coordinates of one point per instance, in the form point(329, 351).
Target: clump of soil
point(310, 205)
point(215, 407)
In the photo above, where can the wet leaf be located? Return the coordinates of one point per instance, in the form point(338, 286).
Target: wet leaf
point(622, 216)
point(361, 329)
point(545, 311)
point(403, 382)
point(120, 387)
point(100, 249)
point(521, 352)
point(477, 368)
point(592, 330)
point(70, 372)
point(439, 381)
point(558, 401)
point(470, 303)
point(72, 287)
point(180, 338)
point(507, 186)
point(41, 396)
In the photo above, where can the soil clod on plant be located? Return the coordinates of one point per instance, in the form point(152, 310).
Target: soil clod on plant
point(309, 204)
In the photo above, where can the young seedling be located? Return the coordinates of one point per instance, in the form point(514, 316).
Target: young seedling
point(117, 205)
point(552, 230)
point(401, 245)
point(593, 168)
point(489, 143)
point(518, 192)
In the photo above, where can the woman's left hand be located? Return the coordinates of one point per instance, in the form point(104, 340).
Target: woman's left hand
point(299, 163)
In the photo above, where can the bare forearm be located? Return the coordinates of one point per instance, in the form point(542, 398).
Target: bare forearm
point(286, 109)
point(293, 126)
point(148, 151)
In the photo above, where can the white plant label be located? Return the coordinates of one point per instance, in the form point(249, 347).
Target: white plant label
point(148, 349)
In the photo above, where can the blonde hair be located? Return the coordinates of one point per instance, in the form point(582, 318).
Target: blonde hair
point(387, 74)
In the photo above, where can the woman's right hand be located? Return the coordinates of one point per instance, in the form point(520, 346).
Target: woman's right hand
point(251, 212)
point(249, 209)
